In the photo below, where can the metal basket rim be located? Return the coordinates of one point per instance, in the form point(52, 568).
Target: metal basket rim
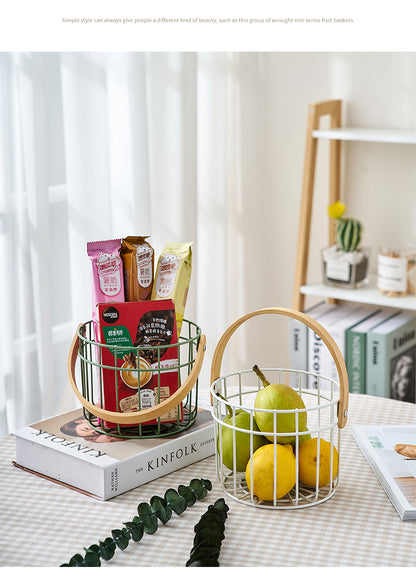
point(181, 341)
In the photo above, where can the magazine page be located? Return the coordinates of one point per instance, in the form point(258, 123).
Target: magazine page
point(395, 470)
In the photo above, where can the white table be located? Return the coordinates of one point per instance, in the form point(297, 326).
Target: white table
point(44, 524)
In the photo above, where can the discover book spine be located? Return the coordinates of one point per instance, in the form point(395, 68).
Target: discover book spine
point(299, 335)
point(144, 467)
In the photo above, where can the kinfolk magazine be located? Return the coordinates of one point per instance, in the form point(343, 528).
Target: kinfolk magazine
point(65, 449)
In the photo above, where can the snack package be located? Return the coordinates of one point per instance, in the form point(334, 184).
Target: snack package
point(137, 382)
point(107, 273)
point(138, 263)
point(173, 276)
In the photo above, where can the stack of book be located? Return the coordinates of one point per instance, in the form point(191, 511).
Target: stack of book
point(378, 346)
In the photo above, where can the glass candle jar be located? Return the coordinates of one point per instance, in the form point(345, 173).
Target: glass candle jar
point(396, 271)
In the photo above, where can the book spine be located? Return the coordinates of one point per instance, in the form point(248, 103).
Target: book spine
point(376, 363)
point(401, 361)
point(298, 349)
point(329, 368)
point(145, 467)
point(316, 351)
point(356, 361)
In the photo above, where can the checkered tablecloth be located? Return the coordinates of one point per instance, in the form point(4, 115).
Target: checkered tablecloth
point(44, 524)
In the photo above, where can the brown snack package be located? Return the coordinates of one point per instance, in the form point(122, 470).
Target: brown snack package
point(173, 276)
point(138, 263)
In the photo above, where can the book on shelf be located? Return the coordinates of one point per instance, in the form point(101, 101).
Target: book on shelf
point(356, 349)
point(65, 449)
point(316, 346)
point(391, 358)
point(395, 471)
point(336, 323)
point(298, 340)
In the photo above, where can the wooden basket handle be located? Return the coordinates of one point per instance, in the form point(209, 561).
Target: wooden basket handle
point(144, 415)
point(312, 324)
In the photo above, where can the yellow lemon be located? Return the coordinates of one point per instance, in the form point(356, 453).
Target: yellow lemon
point(266, 477)
point(308, 459)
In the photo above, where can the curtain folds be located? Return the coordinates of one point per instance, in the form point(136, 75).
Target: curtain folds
point(95, 146)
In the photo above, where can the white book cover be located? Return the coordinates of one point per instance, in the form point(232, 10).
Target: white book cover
point(394, 470)
point(66, 449)
point(317, 348)
point(298, 340)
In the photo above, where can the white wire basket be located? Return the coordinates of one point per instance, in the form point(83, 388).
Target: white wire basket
point(325, 408)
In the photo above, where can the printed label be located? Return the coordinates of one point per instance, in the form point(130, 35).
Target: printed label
point(392, 273)
point(144, 255)
point(129, 404)
point(167, 273)
point(338, 270)
point(147, 398)
point(108, 272)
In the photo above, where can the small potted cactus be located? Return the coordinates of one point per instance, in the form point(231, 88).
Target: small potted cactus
point(345, 263)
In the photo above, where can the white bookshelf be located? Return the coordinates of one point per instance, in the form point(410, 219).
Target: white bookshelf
point(369, 294)
point(337, 134)
point(368, 135)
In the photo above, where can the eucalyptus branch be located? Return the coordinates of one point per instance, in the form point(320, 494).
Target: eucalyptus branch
point(209, 532)
point(146, 521)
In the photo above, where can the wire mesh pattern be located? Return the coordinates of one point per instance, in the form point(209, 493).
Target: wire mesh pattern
point(87, 375)
point(237, 391)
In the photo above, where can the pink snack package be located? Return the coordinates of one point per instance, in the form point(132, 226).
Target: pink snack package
point(107, 274)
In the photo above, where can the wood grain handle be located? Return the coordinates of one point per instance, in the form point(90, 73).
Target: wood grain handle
point(312, 324)
point(144, 415)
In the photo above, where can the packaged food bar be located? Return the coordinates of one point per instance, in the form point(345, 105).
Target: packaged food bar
point(138, 264)
point(173, 276)
point(107, 273)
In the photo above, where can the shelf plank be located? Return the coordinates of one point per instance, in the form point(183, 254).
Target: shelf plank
point(366, 295)
point(368, 135)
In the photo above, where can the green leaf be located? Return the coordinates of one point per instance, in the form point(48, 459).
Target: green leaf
point(198, 488)
point(161, 509)
point(107, 548)
point(221, 505)
point(135, 529)
point(209, 532)
point(189, 496)
point(144, 510)
point(76, 561)
point(175, 501)
point(92, 558)
point(207, 484)
point(150, 525)
point(148, 518)
point(121, 538)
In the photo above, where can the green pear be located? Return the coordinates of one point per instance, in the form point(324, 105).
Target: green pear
point(241, 420)
point(278, 397)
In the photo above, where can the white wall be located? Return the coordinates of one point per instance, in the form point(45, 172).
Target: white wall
point(378, 182)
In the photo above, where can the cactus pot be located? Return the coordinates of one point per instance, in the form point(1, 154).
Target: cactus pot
point(345, 269)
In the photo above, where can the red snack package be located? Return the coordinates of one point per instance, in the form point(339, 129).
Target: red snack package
point(139, 324)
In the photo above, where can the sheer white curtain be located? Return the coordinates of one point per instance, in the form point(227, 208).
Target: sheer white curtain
point(102, 146)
